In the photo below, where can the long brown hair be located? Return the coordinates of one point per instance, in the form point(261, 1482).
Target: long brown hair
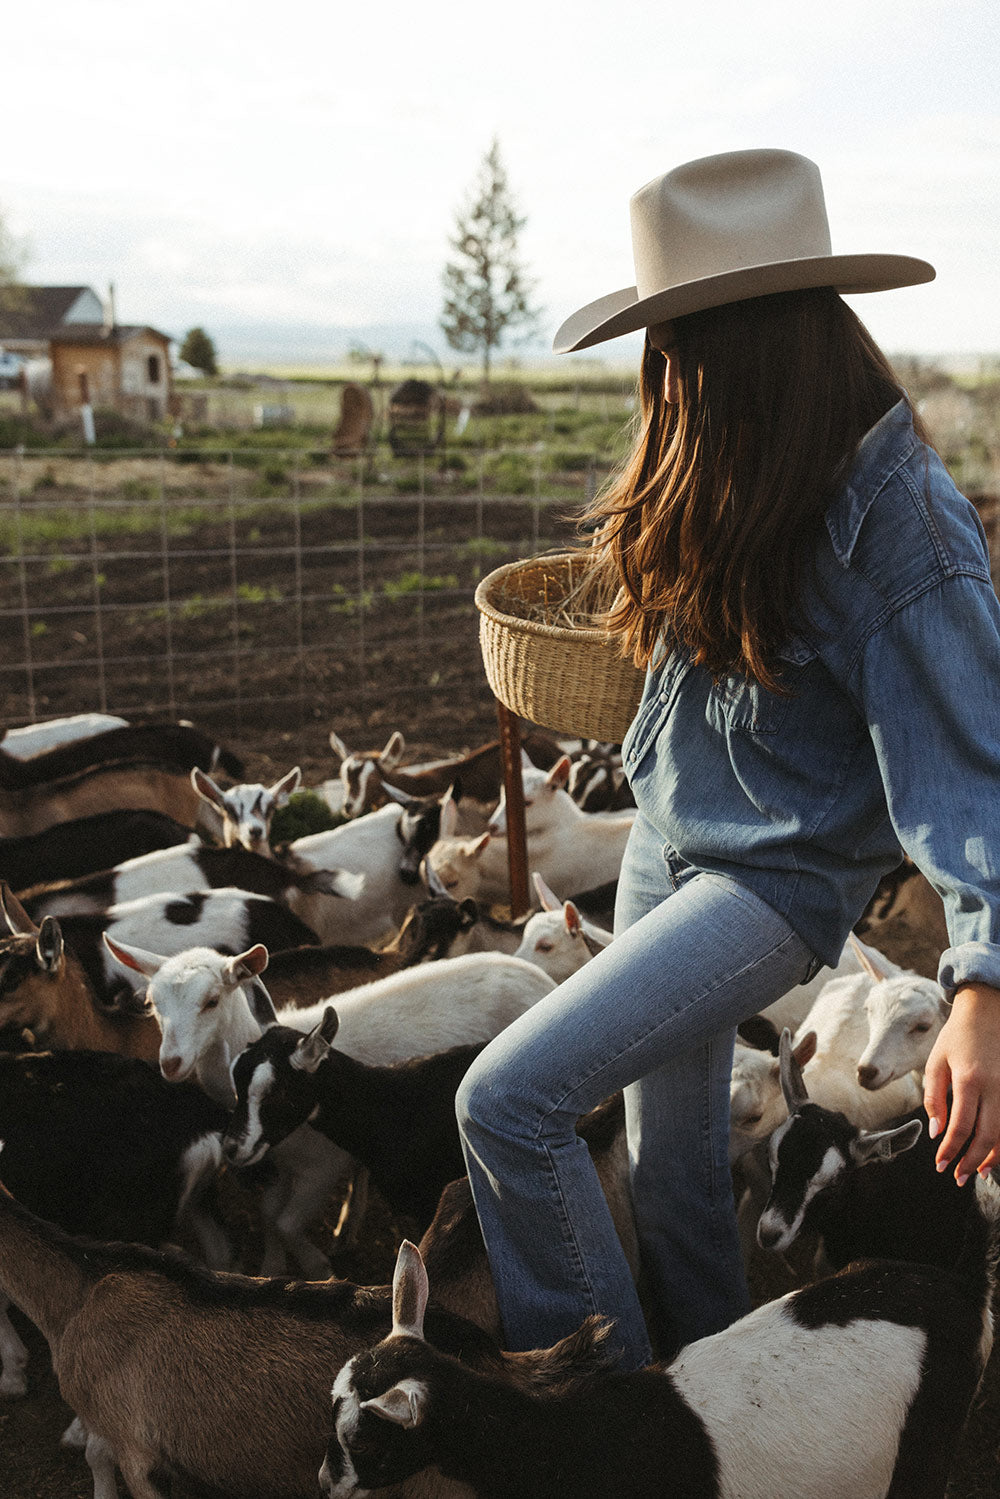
point(707, 529)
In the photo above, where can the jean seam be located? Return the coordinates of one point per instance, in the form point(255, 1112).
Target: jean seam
point(644, 1036)
point(569, 1237)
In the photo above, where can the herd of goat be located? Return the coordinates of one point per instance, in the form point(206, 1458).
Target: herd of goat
point(186, 1008)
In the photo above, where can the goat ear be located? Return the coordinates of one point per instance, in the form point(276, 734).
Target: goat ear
point(338, 746)
point(246, 965)
point(314, 1046)
point(207, 789)
point(405, 1404)
point(409, 1292)
point(883, 1144)
point(869, 958)
point(793, 1086)
point(392, 751)
point(806, 1048)
point(480, 843)
point(449, 816)
point(468, 913)
point(14, 914)
point(261, 1004)
point(282, 790)
point(571, 916)
point(433, 880)
point(559, 774)
point(49, 944)
point(135, 958)
point(549, 900)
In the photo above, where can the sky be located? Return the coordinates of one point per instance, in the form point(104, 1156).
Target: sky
point(287, 175)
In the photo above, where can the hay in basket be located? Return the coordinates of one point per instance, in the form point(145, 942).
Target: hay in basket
point(545, 658)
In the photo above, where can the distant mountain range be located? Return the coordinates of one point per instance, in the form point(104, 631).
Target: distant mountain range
point(247, 345)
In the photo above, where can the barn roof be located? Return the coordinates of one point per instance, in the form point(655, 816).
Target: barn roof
point(36, 311)
point(92, 334)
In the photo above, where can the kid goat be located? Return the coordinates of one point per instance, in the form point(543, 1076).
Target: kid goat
point(398, 1121)
point(887, 1358)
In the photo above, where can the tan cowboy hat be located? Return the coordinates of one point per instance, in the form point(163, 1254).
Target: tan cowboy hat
point(725, 228)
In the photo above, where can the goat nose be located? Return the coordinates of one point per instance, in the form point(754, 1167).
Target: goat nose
point(170, 1067)
point(868, 1076)
point(768, 1234)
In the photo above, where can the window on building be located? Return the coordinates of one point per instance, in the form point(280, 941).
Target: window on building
point(153, 369)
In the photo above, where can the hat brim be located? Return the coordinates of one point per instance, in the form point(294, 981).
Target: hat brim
point(624, 311)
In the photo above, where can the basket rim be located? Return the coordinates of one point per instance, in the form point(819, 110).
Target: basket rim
point(486, 606)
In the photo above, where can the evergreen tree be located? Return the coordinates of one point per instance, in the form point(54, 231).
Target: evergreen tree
point(486, 290)
point(198, 351)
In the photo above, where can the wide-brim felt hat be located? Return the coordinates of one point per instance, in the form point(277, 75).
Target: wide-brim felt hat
point(725, 228)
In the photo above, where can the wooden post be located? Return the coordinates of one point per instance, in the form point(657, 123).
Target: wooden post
point(517, 841)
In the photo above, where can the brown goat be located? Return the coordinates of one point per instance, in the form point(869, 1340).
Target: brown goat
point(44, 989)
point(102, 788)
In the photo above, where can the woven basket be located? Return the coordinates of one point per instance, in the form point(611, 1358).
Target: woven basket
point(565, 677)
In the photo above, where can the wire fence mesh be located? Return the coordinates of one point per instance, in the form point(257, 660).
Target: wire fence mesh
point(256, 595)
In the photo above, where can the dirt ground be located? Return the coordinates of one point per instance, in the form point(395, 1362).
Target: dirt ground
point(403, 661)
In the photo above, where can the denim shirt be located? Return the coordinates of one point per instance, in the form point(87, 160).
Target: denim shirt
point(888, 741)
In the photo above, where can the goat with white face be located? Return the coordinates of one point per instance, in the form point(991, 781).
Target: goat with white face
point(247, 810)
point(557, 937)
point(878, 1364)
point(905, 1013)
point(187, 994)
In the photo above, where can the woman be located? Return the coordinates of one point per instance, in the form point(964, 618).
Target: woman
point(812, 599)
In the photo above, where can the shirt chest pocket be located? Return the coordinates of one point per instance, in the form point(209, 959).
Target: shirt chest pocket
point(738, 702)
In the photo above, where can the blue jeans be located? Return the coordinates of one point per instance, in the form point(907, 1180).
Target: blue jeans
point(654, 1013)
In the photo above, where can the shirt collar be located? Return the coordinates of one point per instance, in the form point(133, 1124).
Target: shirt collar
point(882, 450)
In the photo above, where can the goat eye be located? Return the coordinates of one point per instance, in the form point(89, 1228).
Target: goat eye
point(210, 1004)
point(921, 1028)
point(752, 1119)
point(545, 946)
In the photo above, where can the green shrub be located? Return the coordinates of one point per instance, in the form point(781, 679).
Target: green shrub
point(305, 812)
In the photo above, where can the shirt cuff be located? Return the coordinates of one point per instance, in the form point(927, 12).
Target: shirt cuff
point(969, 963)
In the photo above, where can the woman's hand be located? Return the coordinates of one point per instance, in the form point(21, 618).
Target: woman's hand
point(966, 1062)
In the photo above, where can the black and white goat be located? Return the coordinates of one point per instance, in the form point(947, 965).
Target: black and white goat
point(855, 1387)
point(85, 845)
point(188, 867)
point(866, 1193)
point(398, 1121)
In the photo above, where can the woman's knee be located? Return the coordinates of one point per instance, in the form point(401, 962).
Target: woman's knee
point(477, 1098)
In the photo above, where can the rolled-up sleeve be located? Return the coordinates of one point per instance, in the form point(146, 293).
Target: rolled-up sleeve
point(929, 682)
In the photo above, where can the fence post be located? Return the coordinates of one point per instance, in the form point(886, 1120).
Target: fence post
point(517, 842)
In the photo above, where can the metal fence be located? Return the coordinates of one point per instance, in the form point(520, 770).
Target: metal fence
point(265, 592)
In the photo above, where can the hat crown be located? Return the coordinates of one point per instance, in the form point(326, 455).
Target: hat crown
point(726, 213)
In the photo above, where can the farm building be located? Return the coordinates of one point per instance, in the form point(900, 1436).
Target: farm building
point(127, 367)
point(30, 315)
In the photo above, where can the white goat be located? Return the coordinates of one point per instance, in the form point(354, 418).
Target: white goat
point(369, 845)
point(838, 1025)
point(905, 1012)
point(571, 849)
point(35, 738)
point(557, 937)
